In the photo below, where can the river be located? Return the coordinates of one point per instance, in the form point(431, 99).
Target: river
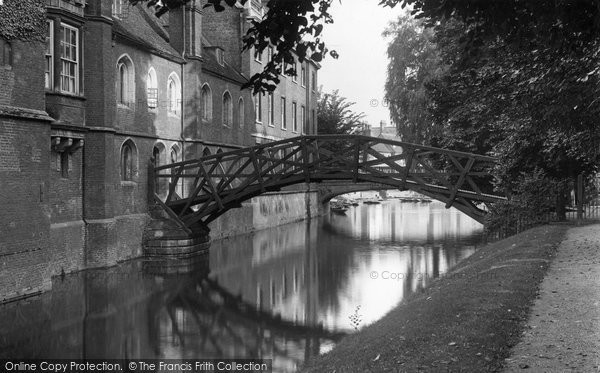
point(286, 293)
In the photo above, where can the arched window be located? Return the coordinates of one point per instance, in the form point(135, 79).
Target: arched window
point(227, 109)
point(174, 94)
point(241, 112)
point(128, 161)
point(206, 103)
point(5, 53)
point(158, 154)
point(152, 88)
point(125, 81)
point(174, 154)
point(206, 152)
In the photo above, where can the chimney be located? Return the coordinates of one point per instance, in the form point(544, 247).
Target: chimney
point(185, 29)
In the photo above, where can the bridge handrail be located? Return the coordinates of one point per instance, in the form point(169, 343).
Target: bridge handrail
point(403, 144)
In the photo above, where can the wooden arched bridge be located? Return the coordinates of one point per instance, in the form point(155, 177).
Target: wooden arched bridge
point(200, 190)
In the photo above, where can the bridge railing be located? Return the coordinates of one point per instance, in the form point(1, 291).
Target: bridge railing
point(212, 184)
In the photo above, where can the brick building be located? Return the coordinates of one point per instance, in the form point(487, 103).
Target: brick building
point(82, 114)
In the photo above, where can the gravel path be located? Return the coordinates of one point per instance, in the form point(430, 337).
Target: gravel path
point(563, 332)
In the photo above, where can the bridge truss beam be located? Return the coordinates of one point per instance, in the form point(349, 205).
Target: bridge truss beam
point(213, 184)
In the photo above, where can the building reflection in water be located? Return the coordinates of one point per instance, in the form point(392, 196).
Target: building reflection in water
point(285, 293)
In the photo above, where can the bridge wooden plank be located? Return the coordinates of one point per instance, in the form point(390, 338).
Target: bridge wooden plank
point(305, 160)
point(460, 181)
point(359, 145)
point(385, 159)
point(212, 186)
point(173, 185)
point(173, 215)
point(228, 178)
point(436, 175)
point(257, 168)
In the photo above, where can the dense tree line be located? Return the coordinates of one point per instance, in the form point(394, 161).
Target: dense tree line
point(521, 85)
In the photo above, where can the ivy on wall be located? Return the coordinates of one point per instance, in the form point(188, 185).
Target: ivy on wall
point(23, 20)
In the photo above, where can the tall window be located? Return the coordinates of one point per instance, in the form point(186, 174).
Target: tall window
point(257, 55)
point(157, 154)
point(125, 81)
point(283, 116)
point(49, 66)
point(241, 112)
point(269, 54)
point(295, 76)
point(174, 154)
point(294, 117)
point(206, 103)
point(227, 110)
point(258, 107)
point(174, 94)
point(152, 88)
point(271, 109)
point(303, 119)
point(128, 161)
point(69, 56)
point(313, 77)
point(117, 8)
point(303, 76)
point(313, 123)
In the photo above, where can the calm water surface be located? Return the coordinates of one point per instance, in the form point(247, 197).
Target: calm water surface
point(286, 293)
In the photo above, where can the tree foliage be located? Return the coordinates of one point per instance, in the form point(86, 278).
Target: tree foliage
point(413, 61)
point(335, 116)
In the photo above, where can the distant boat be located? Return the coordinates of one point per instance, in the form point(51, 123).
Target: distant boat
point(338, 208)
point(371, 202)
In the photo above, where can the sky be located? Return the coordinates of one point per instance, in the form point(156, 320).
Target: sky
point(360, 71)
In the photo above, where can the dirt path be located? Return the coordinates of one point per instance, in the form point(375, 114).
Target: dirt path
point(563, 332)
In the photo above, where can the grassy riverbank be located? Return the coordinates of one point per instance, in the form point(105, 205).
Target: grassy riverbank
point(466, 321)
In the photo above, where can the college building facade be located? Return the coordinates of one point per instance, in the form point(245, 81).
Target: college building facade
point(110, 92)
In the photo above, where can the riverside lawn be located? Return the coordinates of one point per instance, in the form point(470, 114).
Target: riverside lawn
point(465, 321)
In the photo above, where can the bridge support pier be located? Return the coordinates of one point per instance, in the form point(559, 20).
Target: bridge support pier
point(164, 238)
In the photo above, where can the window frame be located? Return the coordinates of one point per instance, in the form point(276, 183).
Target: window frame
point(283, 105)
point(258, 107)
point(129, 167)
point(303, 119)
point(116, 13)
point(303, 76)
point(241, 112)
point(63, 60)
point(295, 76)
point(207, 105)
point(152, 102)
point(49, 56)
point(271, 111)
point(257, 56)
point(294, 117)
point(227, 109)
point(171, 109)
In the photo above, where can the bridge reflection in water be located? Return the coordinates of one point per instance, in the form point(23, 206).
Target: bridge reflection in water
point(285, 293)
